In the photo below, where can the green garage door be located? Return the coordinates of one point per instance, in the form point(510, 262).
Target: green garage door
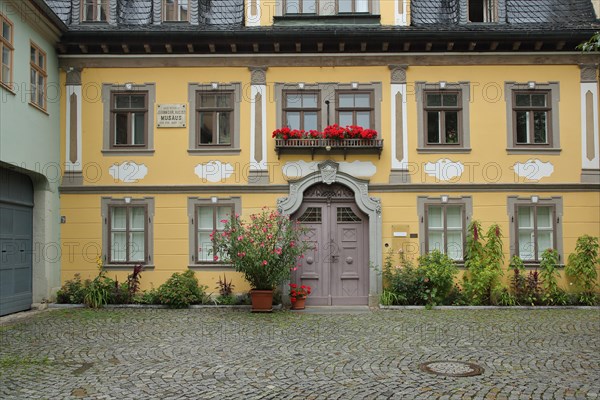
point(16, 238)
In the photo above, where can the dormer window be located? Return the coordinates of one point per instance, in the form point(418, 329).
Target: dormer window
point(353, 6)
point(311, 11)
point(175, 10)
point(94, 10)
point(300, 7)
point(483, 11)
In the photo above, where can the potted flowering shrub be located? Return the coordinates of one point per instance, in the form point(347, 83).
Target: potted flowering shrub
point(298, 295)
point(264, 249)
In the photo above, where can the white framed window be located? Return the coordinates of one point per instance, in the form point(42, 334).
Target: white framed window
point(127, 237)
point(208, 216)
point(176, 10)
point(535, 226)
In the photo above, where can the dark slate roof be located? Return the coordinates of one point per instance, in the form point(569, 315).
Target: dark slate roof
point(434, 11)
point(222, 12)
point(443, 12)
point(139, 13)
point(134, 12)
point(62, 8)
point(544, 11)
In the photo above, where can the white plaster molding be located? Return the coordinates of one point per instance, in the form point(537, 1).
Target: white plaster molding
point(214, 171)
point(299, 169)
point(128, 172)
point(401, 15)
point(445, 169)
point(533, 169)
point(253, 19)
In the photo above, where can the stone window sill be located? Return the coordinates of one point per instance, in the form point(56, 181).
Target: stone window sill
point(532, 150)
point(441, 150)
point(121, 152)
point(126, 267)
point(214, 151)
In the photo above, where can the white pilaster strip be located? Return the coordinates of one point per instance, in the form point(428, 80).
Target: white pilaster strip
point(253, 12)
point(586, 163)
point(401, 12)
point(399, 163)
point(256, 165)
point(77, 165)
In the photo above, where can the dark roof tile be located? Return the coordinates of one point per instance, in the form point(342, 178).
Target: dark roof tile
point(434, 12)
point(549, 11)
point(223, 12)
point(425, 12)
point(62, 8)
point(134, 12)
point(431, 15)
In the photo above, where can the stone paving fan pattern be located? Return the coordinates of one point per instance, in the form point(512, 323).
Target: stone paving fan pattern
point(216, 354)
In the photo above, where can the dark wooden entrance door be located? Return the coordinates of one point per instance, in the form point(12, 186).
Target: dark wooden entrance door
point(16, 238)
point(337, 267)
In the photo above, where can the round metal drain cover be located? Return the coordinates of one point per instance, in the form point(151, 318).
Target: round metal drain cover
point(451, 368)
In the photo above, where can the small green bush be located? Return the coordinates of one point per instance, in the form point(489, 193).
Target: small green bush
point(181, 290)
point(146, 297)
point(483, 263)
point(430, 283)
point(402, 284)
point(553, 295)
point(517, 283)
point(582, 269)
point(437, 272)
point(71, 292)
point(98, 291)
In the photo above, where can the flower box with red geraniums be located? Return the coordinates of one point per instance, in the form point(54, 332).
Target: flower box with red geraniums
point(331, 132)
point(333, 139)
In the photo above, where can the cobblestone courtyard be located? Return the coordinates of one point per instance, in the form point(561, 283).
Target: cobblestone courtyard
point(221, 354)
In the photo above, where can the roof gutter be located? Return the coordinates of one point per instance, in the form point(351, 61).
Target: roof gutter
point(270, 34)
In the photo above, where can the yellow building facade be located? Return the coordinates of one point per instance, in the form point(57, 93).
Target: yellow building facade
point(166, 132)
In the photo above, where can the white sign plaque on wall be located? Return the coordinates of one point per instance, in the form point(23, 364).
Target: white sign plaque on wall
point(171, 115)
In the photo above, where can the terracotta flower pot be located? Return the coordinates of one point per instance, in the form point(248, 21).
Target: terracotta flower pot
point(262, 300)
point(299, 303)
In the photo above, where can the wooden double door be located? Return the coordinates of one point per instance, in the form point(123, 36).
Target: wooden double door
point(337, 265)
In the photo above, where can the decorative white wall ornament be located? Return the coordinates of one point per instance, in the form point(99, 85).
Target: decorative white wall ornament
point(128, 172)
point(253, 12)
point(300, 169)
point(444, 169)
point(214, 171)
point(533, 169)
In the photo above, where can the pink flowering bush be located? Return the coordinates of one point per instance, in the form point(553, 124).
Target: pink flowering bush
point(265, 249)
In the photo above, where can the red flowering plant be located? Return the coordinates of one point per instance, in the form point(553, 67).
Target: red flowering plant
point(298, 293)
point(334, 132)
point(358, 132)
point(330, 132)
point(286, 133)
point(265, 249)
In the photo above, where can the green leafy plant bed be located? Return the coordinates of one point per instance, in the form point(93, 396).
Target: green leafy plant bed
point(430, 282)
point(159, 306)
point(384, 307)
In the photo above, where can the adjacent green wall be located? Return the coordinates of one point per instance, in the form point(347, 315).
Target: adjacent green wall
point(30, 139)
